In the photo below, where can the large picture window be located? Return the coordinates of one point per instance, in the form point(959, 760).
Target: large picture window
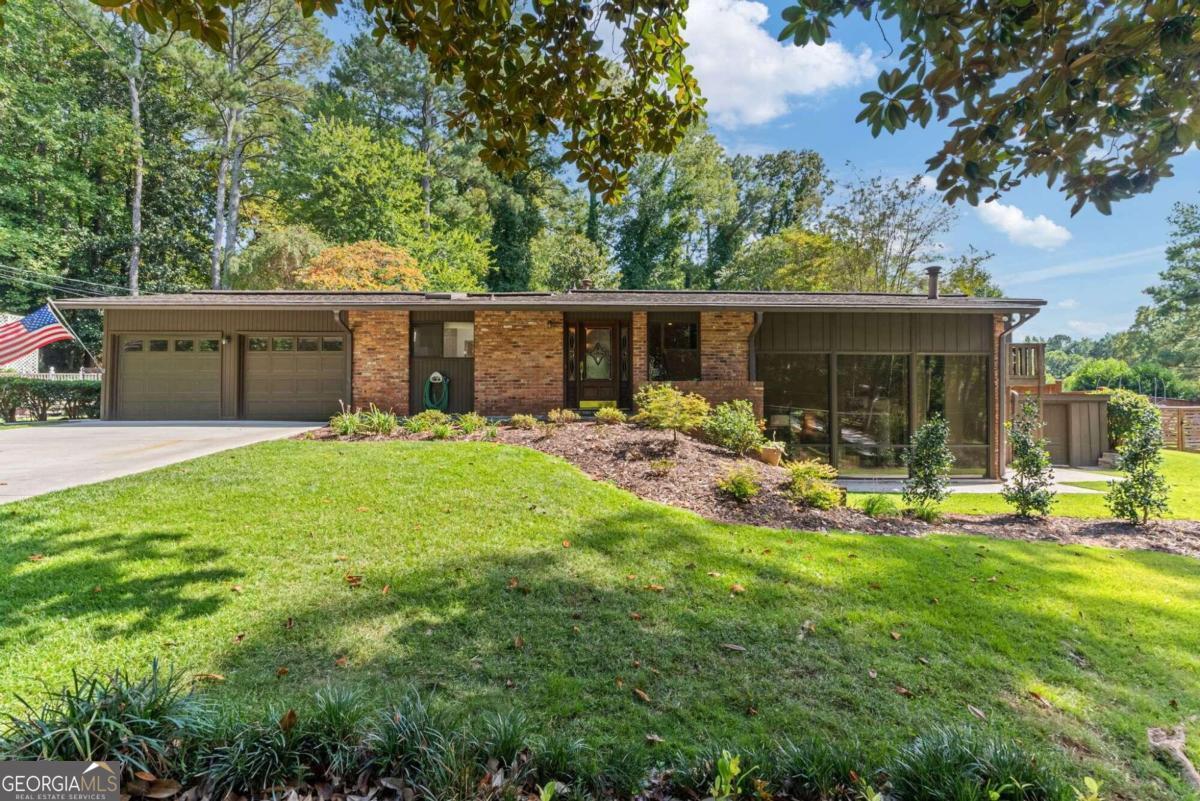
point(452, 340)
point(956, 388)
point(674, 346)
point(872, 413)
point(796, 400)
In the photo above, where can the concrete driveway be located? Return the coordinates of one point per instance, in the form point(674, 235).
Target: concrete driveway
point(46, 458)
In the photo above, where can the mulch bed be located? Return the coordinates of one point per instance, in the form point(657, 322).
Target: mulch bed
point(640, 461)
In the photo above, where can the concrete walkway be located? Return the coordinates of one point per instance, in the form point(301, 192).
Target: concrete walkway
point(986, 486)
point(45, 458)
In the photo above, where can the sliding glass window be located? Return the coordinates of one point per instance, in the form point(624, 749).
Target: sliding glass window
point(872, 413)
point(956, 388)
point(796, 400)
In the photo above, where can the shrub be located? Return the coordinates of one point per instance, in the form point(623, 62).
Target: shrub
point(948, 764)
point(1143, 492)
point(471, 422)
point(662, 407)
point(147, 724)
point(1029, 487)
point(426, 420)
point(929, 461)
point(740, 483)
point(811, 484)
point(879, 506)
point(256, 756)
point(333, 733)
point(610, 415)
point(491, 432)
point(442, 431)
point(562, 416)
point(1125, 408)
point(377, 421)
point(408, 742)
point(817, 769)
point(345, 423)
point(39, 396)
point(523, 421)
point(661, 467)
point(735, 427)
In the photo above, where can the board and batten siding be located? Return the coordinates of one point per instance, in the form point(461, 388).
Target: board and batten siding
point(871, 332)
point(230, 323)
point(460, 371)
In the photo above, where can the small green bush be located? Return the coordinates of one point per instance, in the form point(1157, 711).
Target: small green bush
point(1029, 488)
point(562, 416)
point(740, 483)
point(926, 513)
point(662, 407)
point(39, 396)
point(879, 506)
point(491, 432)
point(425, 421)
point(610, 415)
point(1144, 491)
point(1125, 408)
point(734, 426)
point(929, 461)
point(442, 431)
point(525, 422)
point(471, 422)
point(345, 423)
point(377, 421)
point(811, 484)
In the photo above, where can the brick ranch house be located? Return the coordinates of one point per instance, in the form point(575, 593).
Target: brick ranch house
point(842, 376)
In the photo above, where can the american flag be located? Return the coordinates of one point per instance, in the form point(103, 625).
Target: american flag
point(30, 333)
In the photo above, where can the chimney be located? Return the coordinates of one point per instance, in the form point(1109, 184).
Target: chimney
point(933, 273)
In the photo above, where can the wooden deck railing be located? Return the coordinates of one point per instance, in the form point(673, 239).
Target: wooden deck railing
point(1026, 363)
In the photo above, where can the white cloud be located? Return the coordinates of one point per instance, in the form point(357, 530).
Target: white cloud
point(1039, 232)
point(750, 78)
point(1092, 328)
point(1067, 303)
point(1087, 266)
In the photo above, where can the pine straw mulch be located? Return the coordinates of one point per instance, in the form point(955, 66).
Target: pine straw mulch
point(637, 459)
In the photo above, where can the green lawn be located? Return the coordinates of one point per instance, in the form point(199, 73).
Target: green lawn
point(1182, 471)
point(513, 580)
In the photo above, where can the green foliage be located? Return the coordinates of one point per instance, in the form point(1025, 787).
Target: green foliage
point(563, 260)
point(1143, 491)
point(149, 723)
point(815, 768)
point(333, 732)
point(425, 421)
point(523, 421)
point(1091, 790)
point(1007, 126)
point(929, 461)
point(791, 260)
point(470, 422)
point(276, 258)
point(926, 513)
point(662, 407)
point(609, 415)
point(346, 423)
point(562, 416)
point(740, 483)
point(1126, 409)
point(1145, 377)
point(376, 421)
point(879, 506)
point(811, 484)
point(735, 427)
point(39, 396)
point(1029, 488)
point(441, 431)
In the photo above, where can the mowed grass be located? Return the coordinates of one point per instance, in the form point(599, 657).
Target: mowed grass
point(503, 578)
point(1182, 471)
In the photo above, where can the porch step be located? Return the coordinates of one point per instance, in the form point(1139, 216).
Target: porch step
point(1108, 460)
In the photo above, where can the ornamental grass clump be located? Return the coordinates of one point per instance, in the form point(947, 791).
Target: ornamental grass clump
point(1143, 492)
point(346, 423)
point(1029, 487)
point(662, 407)
point(525, 422)
point(471, 422)
point(377, 421)
point(929, 461)
point(562, 416)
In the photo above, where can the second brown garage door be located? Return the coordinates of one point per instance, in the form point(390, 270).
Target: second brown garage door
point(293, 376)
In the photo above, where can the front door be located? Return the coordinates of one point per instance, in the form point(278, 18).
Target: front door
point(595, 350)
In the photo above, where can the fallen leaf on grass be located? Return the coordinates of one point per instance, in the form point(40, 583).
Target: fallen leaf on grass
point(566, 543)
point(236, 588)
point(518, 642)
point(874, 585)
point(289, 624)
point(37, 557)
point(872, 673)
point(145, 775)
point(386, 589)
point(635, 616)
point(751, 712)
point(904, 691)
point(714, 574)
point(641, 695)
point(209, 677)
point(620, 682)
point(241, 635)
point(362, 509)
point(923, 660)
point(281, 672)
point(654, 739)
point(976, 711)
point(655, 587)
point(895, 635)
point(96, 588)
point(288, 721)
point(353, 580)
point(736, 589)
point(728, 646)
point(1040, 700)
point(162, 788)
point(340, 558)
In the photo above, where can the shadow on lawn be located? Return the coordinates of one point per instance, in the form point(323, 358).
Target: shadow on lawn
point(57, 576)
point(568, 633)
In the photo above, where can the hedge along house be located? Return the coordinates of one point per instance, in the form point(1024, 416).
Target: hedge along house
point(842, 376)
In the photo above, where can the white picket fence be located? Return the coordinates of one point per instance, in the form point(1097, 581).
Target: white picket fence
point(52, 376)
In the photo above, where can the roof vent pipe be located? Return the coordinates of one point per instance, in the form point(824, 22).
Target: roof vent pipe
point(933, 273)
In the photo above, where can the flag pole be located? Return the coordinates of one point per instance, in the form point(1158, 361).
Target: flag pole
point(58, 314)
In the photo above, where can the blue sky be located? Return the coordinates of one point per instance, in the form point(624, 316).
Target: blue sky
point(764, 96)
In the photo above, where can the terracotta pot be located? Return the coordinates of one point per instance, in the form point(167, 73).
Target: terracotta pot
point(771, 454)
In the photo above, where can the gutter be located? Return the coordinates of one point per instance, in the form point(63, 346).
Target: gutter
point(758, 321)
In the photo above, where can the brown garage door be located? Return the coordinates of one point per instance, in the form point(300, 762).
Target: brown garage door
point(1055, 416)
point(293, 376)
point(169, 377)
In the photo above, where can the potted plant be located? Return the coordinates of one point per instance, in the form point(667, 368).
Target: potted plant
point(772, 452)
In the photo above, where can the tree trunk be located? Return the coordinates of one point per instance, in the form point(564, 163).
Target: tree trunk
point(219, 222)
point(426, 145)
point(135, 116)
point(234, 204)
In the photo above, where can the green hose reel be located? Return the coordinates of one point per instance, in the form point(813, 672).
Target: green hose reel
point(437, 392)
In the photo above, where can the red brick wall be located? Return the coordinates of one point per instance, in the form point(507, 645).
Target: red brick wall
point(725, 345)
point(518, 362)
point(639, 358)
point(379, 371)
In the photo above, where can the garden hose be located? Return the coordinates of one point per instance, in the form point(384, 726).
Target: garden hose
point(443, 399)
